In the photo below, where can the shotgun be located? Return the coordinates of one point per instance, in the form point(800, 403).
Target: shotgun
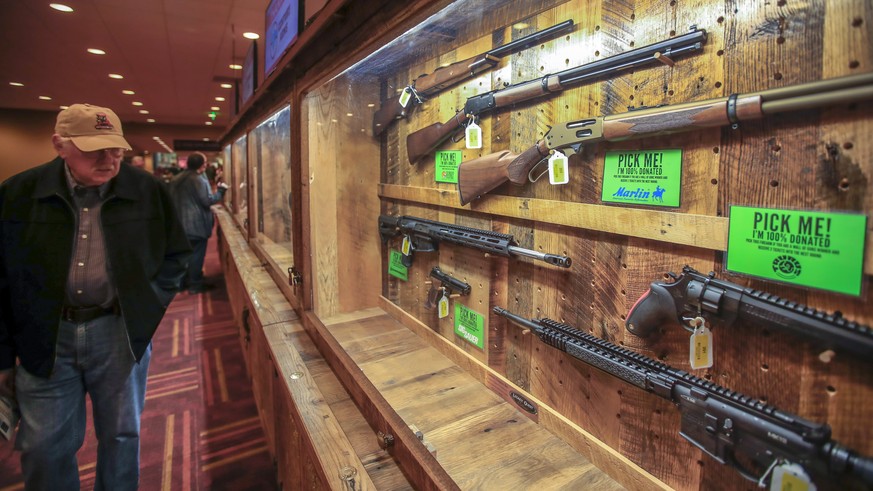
point(424, 141)
point(431, 84)
point(479, 176)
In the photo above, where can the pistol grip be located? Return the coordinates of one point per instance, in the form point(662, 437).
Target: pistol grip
point(653, 308)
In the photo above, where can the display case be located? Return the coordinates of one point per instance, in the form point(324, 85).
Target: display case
point(670, 145)
point(240, 204)
point(227, 174)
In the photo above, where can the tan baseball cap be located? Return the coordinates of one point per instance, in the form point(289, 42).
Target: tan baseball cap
point(91, 127)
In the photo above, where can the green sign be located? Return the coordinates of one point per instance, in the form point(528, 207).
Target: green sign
point(447, 162)
point(647, 177)
point(809, 248)
point(396, 267)
point(470, 326)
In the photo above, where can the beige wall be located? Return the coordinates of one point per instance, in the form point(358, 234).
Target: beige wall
point(25, 140)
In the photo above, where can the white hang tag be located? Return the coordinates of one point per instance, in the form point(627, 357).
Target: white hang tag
point(406, 247)
point(473, 135)
point(558, 169)
point(405, 96)
point(700, 353)
point(443, 306)
point(790, 477)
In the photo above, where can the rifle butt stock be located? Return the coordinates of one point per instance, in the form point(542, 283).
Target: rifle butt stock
point(389, 112)
point(424, 141)
point(480, 176)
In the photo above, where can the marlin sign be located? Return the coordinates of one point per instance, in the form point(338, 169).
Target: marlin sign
point(649, 177)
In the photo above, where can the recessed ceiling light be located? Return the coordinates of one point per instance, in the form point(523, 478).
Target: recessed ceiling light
point(209, 123)
point(45, 98)
point(206, 139)
point(215, 108)
point(143, 111)
point(150, 120)
point(136, 103)
point(61, 7)
point(156, 138)
point(63, 107)
point(251, 35)
point(226, 86)
point(235, 67)
point(128, 92)
point(219, 99)
point(371, 105)
point(115, 76)
point(16, 84)
point(95, 51)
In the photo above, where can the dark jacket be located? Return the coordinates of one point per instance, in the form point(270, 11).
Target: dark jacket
point(146, 248)
point(193, 197)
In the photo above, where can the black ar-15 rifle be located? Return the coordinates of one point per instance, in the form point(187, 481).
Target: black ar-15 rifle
point(426, 140)
point(722, 303)
point(732, 428)
point(431, 84)
point(425, 236)
point(479, 176)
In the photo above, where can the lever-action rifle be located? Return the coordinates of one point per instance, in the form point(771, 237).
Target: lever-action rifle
point(448, 285)
point(732, 428)
point(429, 85)
point(425, 236)
point(479, 176)
point(722, 303)
point(424, 141)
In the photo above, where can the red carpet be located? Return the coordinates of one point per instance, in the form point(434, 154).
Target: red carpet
point(200, 428)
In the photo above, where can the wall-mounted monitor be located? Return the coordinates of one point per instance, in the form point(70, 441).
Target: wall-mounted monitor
point(282, 29)
point(250, 73)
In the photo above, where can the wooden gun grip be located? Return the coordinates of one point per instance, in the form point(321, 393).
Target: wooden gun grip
point(426, 140)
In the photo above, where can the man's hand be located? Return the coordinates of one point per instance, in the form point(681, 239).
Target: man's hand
point(223, 185)
point(7, 383)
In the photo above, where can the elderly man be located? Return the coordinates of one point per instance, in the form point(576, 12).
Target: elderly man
point(91, 253)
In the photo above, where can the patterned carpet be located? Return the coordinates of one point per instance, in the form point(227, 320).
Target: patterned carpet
point(200, 428)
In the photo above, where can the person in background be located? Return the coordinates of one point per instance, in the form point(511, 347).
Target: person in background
point(138, 161)
point(91, 254)
point(193, 197)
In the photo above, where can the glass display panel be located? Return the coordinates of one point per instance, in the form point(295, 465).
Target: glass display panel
point(240, 174)
point(271, 150)
point(227, 175)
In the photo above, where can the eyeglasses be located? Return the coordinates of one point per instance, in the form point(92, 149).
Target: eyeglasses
point(113, 152)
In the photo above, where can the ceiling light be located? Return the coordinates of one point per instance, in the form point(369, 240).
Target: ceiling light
point(143, 111)
point(150, 120)
point(226, 86)
point(61, 7)
point(219, 99)
point(215, 108)
point(206, 139)
point(371, 105)
point(235, 67)
point(136, 103)
point(251, 35)
point(63, 107)
point(209, 123)
point(95, 51)
point(45, 98)
point(128, 92)
point(115, 76)
point(349, 114)
point(156, 138)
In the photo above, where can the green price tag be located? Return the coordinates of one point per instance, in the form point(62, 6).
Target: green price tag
point(470, 326)
point(647, 177)
point(447, 162)
point(396, 267)
point(822, 250)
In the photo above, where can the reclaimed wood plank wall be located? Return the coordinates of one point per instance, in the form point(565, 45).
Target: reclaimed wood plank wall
point(815, 159)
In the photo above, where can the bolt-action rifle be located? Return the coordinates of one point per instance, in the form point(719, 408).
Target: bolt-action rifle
point(730, 427)
point(722, 303)
point(424, 141)
point(448, 286)
point(431, 84)
point(479, 176)
point(425, 236)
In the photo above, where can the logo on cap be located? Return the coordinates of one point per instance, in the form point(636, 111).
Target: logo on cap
point(103, 122)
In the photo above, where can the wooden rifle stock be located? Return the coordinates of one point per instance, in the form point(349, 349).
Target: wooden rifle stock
point(479, 176)
point(389, 111)
point(420, 143)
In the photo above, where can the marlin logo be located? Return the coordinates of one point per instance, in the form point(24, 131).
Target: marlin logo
point(639, 193)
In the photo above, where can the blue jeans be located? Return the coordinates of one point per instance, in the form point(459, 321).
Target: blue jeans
point(93, 357)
